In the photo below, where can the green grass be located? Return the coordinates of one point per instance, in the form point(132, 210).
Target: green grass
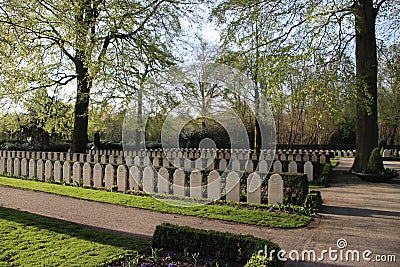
point(260, 217)
point(32, 240)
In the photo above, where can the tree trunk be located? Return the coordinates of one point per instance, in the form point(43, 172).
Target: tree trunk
point(79, 135)
point(366, 82)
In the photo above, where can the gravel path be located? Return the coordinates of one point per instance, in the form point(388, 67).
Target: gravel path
point(367, 215)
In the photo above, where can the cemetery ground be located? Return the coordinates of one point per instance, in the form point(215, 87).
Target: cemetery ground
point(367, 215)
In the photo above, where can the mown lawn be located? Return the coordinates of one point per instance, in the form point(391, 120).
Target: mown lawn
point(32, 240)
point(254, 216)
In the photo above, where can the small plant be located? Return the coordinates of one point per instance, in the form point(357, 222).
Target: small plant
point(154, 254)
point(313, 200)
point(375, 162)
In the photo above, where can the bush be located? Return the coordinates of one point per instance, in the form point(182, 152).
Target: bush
point(295, 184)
point(313, 200)
point(255, 261)
point(375, 162)
point(210, 243)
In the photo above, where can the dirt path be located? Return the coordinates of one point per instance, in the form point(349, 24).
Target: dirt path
point(366, 215)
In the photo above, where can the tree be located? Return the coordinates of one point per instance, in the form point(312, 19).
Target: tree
point(389, 92)
point(65, 41)
point(326, 27)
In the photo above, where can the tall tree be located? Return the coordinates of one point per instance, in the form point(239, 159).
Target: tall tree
point(79, 40)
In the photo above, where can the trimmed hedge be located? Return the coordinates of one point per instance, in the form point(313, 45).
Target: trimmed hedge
point(228, 246)
point(313, 200)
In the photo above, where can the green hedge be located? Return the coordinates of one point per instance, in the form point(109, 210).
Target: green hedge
point(313, 200)
point(231, 247)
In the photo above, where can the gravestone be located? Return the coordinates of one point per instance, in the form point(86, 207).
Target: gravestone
point(109, 176)
point(87, 175)
point(292, 167)
point(17, 167)
point(111, 159)
point(24, 167)
point(263, 166)
point(308, 169)
point(283, 157)
point(76, 173)
point(277, 166)
point(249, 166)
point(148, 180)
point(74, 157)
point(298, 157)
point(103, 159)
point(122, 179)
point(290, 157)
point(214, 185)
point(254, 188)
point(120, 160)
point(314, 158)
point(129, 161)
point(187, 164)
point(306, 157)
point(137, 161)
point(275, 190)
point(222, 164)
point(235, 165)
point(97, 175)
point(10, 165)
point(198, 164)
point(210, 164)
point(32, 168)
point(134, 178)
point(40, 170)
point(233, 187)
point(67, 172)
point(179, 183)
point(195, 184)
point(177, 162)
point(163, 181)
point(82, 157)
point(156, 162)
point(57, 171)
point(88, 158)
point(165, 162)
point(96, 158)
point(322, 159)
point(146, 161)
point(48, 170)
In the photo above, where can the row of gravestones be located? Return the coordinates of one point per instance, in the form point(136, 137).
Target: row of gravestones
point(208, 164)
point(194, 154)
point(178, 154)
point(151, 181)
point(171, 156)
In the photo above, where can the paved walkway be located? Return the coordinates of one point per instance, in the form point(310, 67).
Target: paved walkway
point(367, 215)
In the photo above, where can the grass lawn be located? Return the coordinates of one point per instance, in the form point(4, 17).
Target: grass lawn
point(32, 240)
point(254, 216)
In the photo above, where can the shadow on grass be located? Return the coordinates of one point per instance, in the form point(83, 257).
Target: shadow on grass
point(84, 232)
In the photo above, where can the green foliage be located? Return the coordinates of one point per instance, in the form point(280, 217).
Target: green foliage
point(210, 243)
point(226, 213)
point(255, 261)
point(295, 184)
point(313, 200)
point(323, 178)
point(375, 162)
point(32, 240)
